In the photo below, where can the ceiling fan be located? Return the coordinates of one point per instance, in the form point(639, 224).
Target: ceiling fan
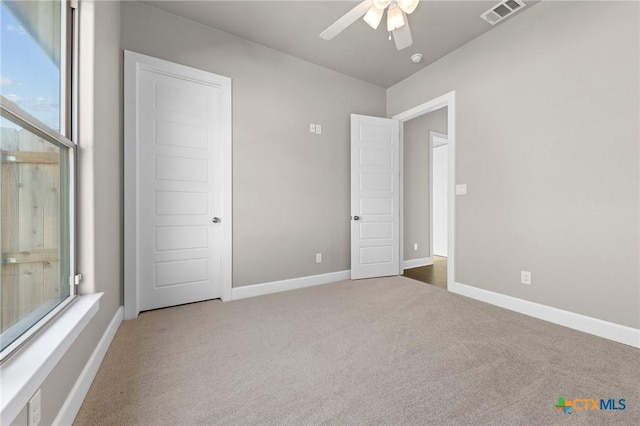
point(373, 10)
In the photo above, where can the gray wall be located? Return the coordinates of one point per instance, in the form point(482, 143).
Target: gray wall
point(548, 130)
point(417, 181)
point(547, 142)
point(290, 187)
point(100, 193)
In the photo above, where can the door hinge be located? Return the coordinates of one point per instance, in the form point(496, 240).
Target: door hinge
point(77, 278)
point(73, 4)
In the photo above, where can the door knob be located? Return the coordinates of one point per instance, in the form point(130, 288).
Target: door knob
point(356, 218)
point(215, 220)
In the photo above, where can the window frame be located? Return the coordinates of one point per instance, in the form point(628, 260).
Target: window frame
point(65, 138)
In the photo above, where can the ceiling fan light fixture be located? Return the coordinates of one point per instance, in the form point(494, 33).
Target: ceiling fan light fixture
point(395, 18)
point(408, 6)
point(373, 17)
point(381, 4)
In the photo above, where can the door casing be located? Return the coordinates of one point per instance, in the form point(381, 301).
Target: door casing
point(132, 64)
point(447, 100)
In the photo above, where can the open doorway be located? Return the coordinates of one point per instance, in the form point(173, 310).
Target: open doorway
point(434, 274)
point(388, 203)
point(425, 197)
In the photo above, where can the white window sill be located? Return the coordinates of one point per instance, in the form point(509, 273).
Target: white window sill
point(23, 374)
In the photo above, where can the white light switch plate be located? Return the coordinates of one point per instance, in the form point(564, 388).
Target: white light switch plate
point(461, 189)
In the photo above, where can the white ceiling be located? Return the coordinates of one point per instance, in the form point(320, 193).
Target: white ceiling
point(438, 27)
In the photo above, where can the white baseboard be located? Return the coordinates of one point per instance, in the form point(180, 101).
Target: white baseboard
point(285, 285)
point(608, 330)
point(72, 404)
point(416, 263)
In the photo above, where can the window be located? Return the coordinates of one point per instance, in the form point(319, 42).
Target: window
point(37, 180)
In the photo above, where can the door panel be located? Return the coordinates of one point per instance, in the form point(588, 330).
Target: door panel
point(374, 197)
point(179, 150)
point(181, 237)
point(182, 169)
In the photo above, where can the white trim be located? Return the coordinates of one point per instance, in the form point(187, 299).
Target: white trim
point(430, 189)
point(416, 263)
point(286, 285)
point(25, 371)
point(74, 400)
point(227, 185)
point(427, 107)
point(608, 330)
point(30, 325)
point(433, 135)
point(131, 293)
point(447, 100)
point(132, 63)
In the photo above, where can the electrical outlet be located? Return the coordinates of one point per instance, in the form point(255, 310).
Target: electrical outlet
point(34, 410)
point(318, 257)
point(415, 246)
point(525, 277)
point(461, 189)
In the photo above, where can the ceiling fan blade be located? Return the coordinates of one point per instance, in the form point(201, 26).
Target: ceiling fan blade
point(349, 18)
point(402, 36)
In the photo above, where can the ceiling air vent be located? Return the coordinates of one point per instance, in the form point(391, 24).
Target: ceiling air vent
point(502, 10)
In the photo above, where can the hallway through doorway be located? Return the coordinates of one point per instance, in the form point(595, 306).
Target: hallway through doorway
point(435, 274)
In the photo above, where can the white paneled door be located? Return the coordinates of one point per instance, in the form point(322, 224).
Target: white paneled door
point(375, 187)
point(183, 222)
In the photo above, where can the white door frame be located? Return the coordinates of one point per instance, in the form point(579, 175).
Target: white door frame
point(432, 135)
point(133, 62)
point(447, 100)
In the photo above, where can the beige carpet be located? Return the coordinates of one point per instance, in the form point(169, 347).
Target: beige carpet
point(383, 351)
